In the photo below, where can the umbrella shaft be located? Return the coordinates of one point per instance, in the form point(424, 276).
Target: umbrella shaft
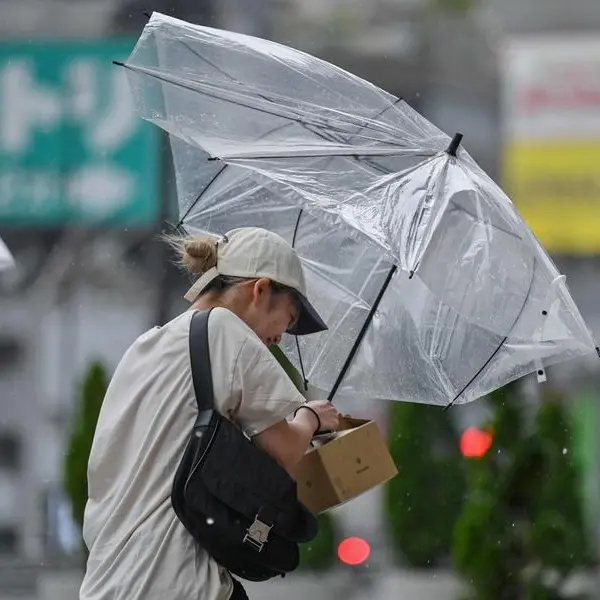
point(362, 333)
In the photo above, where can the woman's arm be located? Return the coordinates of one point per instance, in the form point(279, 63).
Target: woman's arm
point(287, 442)
point(252, 389)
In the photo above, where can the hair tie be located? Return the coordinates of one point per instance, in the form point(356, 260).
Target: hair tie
point(314, 412)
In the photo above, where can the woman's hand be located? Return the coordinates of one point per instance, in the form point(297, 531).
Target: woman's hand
point(325, 415)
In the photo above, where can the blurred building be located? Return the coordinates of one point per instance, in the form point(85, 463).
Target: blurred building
point(86, 287)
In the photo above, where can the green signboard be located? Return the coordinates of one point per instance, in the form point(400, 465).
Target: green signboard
point(72, 149)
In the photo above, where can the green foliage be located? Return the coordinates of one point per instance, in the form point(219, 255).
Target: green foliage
point(319, 554)
point(77, 456)
point(424, 500)
point(559, 533)
point(521, 533)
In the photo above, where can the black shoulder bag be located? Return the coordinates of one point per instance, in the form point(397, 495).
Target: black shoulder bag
point(233, 498)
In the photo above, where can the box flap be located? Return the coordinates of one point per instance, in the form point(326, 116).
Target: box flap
point(347, 423)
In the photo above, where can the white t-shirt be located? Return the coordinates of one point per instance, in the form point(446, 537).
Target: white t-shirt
point(138, 549)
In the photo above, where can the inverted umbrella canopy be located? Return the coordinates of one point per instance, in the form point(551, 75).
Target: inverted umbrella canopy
point(6, 259)
point(434, 289)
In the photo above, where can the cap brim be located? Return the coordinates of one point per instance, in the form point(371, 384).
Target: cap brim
point(309, 320)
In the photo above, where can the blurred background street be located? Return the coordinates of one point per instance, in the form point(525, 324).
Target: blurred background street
point(86, 186)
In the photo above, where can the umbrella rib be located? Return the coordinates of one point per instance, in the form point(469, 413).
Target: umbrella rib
point(332, 138)
point(215, 177)
point(193, 204)
point(489, 360)
point(362, 332)
point(208, 62)
point(485, 364)
point(231, 78)
point(237, 81)
point(297, 342)
point(217, 68)
point(352, 154)
point(191, 88)
point(371, 163)
point(283, 111)
point(266, 98)
point(373, 118)
point(335, 129)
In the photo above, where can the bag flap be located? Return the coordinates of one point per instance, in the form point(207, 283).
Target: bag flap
point(245, 478)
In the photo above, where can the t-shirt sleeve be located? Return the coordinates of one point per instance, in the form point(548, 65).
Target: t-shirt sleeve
point(250, 386)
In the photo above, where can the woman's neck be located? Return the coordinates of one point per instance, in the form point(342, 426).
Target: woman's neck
point(214, 301)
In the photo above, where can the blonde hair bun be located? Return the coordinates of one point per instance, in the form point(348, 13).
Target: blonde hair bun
point(199, 255)
point(195, 254)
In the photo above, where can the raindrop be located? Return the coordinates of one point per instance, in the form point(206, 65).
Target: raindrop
point(210, 521)
point(565, 450)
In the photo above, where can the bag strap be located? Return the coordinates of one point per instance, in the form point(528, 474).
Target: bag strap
point(200, 361)
point(264, 520)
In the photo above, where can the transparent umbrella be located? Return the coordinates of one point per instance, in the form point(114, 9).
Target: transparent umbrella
point(434, 289)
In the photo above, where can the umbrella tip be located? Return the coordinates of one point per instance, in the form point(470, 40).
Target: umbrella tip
point(598, 351)
point(119, 64)
point(454, 144)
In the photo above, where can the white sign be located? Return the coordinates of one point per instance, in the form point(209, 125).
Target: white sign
point(551, 87)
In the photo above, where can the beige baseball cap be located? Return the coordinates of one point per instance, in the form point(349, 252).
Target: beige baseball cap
point(254, 252)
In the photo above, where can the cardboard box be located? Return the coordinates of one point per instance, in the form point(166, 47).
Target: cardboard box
point(343, 465)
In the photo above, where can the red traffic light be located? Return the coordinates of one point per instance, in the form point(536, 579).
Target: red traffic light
point(474, 443)
point(353, 551)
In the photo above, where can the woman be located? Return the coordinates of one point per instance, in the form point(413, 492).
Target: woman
point(138, 549)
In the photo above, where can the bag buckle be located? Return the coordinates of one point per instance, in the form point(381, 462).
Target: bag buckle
point(257, 534)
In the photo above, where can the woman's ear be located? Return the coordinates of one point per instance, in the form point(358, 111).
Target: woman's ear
point(260, 289)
